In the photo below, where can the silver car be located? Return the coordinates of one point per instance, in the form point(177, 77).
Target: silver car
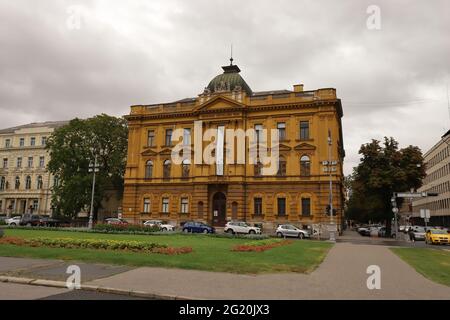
point(289, 230)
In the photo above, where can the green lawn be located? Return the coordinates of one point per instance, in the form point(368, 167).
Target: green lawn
point(209, 253)
point(432, 263)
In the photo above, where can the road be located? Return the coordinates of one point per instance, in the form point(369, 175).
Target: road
point(11, 291)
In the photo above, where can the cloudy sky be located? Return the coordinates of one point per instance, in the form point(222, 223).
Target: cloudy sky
point(61, 59)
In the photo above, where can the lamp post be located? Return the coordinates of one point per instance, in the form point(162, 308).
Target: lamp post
point(93, 167)
point(332, 235)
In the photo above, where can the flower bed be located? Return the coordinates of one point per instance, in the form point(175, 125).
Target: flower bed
point(261, 245)
point(69, 243)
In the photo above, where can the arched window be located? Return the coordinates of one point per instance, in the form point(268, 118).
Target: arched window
point(305, 166)
point(200, 209)
point(39, 182)
point(149, 169)
point(3, 183)
point(166, 169)
point(28, 183)
point(281, 166)
point(186, 168)
point(17, 183)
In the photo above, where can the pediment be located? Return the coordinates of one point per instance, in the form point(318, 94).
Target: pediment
point(220, 103)
point(283, 147)
point(304, 146)
point(149, 152)
point(166, 151)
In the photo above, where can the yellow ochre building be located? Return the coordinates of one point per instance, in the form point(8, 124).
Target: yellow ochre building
point(299, 193)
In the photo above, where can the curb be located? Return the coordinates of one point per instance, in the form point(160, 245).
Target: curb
point(62, 284)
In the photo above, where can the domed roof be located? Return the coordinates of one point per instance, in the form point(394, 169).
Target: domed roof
point(229, 80)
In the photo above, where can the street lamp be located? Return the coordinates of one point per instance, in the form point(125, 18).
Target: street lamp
point(332, 235)
point(93, 167)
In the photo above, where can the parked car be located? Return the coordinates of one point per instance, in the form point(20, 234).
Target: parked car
point(289, 230)
point(116, 221)
point(235, 227)
point(50, 222)
point(366, 231)
point(30, 220)
point(437, 236)
point(14, 221)
point(160, 224)
point(417, 233)
point(197, 227)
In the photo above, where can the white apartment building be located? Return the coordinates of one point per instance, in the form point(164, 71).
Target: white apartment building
point(437, 161)
point(25, 183)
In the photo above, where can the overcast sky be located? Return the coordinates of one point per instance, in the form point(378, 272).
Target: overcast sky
point(392, 81)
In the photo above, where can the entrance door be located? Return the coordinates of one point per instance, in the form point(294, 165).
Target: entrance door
point(219, 208)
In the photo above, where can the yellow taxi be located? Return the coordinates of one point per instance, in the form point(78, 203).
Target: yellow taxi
point(437, 236)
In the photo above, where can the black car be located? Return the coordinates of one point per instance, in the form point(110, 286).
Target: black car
point(30, 220)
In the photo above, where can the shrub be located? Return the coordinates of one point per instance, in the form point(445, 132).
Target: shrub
point(1, 233)
point(128, 228)
point(2, 223)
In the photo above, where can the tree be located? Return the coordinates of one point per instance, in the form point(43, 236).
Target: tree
point(383, 170)
point(72, 149)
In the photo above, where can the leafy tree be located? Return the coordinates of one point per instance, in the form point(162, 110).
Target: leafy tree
point(383, 170)
point(73, 148)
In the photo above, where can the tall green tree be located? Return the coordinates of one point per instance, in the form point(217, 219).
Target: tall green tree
point(383, 170)
point(73, 148)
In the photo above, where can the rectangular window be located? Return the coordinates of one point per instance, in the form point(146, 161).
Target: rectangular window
point(306, 207)
point(187, 137)
point(32, 141)
point(168, 137)
point(184, 205)
point(281, 206)
point(5, 163)
point(304, 130)
point(258, 206)
point(43, 141)
point(165, 205)
point(22, 142)
point(19, 162)
point(7, 143)
point(151, 138)
point(30, 162)
point(146, 205)
point(281, 126)
point(41, 162)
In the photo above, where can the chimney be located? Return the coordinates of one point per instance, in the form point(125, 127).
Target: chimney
point(298, 87)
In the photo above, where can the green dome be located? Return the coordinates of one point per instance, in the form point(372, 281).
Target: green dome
point(229, 80)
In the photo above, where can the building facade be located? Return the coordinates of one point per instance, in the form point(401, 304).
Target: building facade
point(158, 188)
point(25, 184)
point(437, 180)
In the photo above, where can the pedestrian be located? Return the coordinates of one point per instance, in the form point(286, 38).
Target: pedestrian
point(411, 235)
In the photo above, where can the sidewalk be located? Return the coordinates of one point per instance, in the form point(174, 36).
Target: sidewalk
point(341, 276)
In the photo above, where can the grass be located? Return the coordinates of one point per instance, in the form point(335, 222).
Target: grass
point(434, 264)
point(209, 253)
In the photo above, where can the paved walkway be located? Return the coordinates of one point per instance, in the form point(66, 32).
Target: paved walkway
point(341, 276)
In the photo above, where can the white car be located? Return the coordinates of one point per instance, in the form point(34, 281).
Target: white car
point(162, 226)
point(289, 230)
point(14, 221)
point(240, 227)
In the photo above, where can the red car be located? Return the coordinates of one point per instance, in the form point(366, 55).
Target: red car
point(116, 221)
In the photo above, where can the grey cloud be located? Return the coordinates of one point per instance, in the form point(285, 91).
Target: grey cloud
point(391, 81)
